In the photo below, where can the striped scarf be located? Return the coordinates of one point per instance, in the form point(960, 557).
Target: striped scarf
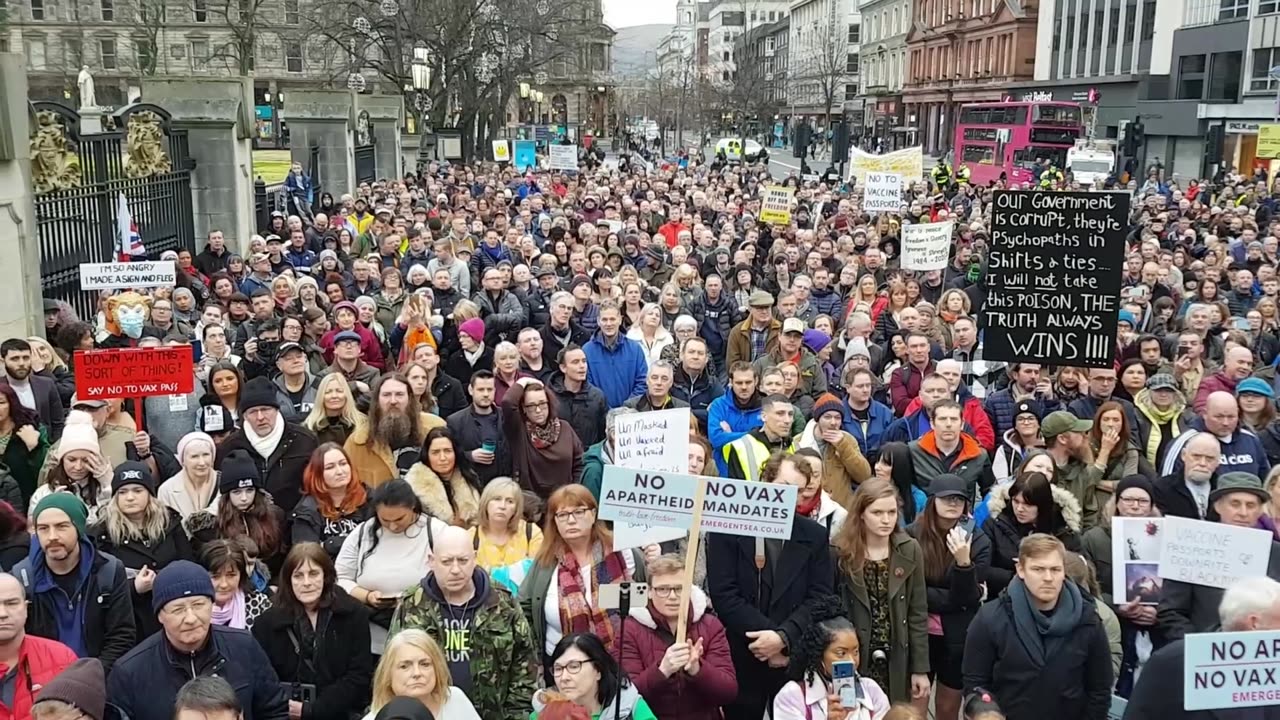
point(576, 614)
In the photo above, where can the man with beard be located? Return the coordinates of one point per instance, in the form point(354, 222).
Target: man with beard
point(37, 394)
point(389, 443)
point(581, 404)
point(529, 344)
point(280, 449)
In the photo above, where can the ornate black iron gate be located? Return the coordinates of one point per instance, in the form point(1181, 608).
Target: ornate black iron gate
point(79, 179)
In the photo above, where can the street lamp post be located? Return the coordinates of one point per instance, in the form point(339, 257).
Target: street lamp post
point(420, 73)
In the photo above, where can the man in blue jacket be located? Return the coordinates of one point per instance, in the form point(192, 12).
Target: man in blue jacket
point(615, 363)
point(734, 413)
point(145, 683)
point(865, 419)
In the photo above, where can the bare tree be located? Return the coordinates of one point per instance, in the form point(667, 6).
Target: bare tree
point(821, 70)
point(146, 22)
point(248, 24)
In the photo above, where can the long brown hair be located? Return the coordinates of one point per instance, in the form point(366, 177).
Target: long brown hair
point(933, 541)
point(259, 523)
point(851, 543)
point(553, 545)
point(1095, 433)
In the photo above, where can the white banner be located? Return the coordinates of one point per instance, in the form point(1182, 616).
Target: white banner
point(121, 276)
point(658, 441)
point(562, 157)
point(1212, 554)
point(882, 192)
point(926, 246)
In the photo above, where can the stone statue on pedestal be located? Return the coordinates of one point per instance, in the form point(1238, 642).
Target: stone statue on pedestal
point(85, 83)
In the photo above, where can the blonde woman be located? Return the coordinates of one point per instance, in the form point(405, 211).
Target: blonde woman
point(650, 334)
point(503, 537)
point(414, 666)
point(335, 416)
point(46, 363)
point(506, 369)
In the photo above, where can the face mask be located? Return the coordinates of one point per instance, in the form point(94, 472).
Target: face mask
point(131, 321)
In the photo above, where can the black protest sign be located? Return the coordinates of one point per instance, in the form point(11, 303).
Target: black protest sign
point(1053, 277)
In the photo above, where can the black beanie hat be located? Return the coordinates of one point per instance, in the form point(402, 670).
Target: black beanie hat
point(1135, 481)
point(133, 473)
point(83, 684)
point(238, 472)
point(404, 708)
point(258, 392)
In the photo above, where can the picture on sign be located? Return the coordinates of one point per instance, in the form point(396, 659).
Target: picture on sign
point(501, 151)
point(1212, 554)
point(127, 275)
point(562, 157)
point(775, 205)
point(134, 372)
point(882, 192)
point(731, 507)
point(926, 246)
point(526, 155)
point(657, 441)
point(1053, 277)
point(1231, 670)
point(1135, 559)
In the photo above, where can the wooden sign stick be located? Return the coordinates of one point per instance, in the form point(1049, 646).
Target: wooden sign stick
point(691, 559)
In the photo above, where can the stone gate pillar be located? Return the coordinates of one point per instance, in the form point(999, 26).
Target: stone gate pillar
point(21, 307)
point(325, 119)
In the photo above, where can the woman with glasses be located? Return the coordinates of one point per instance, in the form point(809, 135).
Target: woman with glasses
point(689, 680)
point(575, 559)
point(545, 451)
point(414, 666)
point(1017, 441)
point(586, 674)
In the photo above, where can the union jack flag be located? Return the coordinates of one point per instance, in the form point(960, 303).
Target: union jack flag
point(128, 239)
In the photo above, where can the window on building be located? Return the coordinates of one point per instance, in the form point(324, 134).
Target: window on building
point(200, 10)
point(1225, 71)
point(107, 53)
point(850, 92)
point(725, 56)
point(769, 45)
point(855, 32)
point(1113, 31)
point(1260, 76)
point(724, 76)
point(200, 55)
point(291, 15)
point(753, 16)
point(37, 9)
point(293, 57)
point(1232, 9)
point(35, 53)
point(1267, 7)
point(851, 64)
point(108, 10)
point(1149, 18)
point(773, 15)
point(1191, 77)
point(145, 51)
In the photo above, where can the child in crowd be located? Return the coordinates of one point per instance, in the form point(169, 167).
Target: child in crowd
point(810, 695)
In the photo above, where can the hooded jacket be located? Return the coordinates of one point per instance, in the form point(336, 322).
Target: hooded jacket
point(1006, 533)
point(968, 463)
point(647, 636)
point(976, 421)
point(741, 419)
point(844, 467)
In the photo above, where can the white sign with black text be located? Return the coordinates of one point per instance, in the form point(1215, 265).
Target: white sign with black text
point(926, 246)
point(882, 192)
point(127, 275)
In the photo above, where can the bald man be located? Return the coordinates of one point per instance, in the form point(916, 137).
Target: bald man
point(1237, 365)
point(33, 661)
point(480, 627)
point(1241, 450)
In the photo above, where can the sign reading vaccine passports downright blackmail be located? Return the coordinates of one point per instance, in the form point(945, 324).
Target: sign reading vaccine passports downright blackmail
point(1053, 277)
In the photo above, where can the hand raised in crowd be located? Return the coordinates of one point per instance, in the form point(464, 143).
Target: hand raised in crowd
point(675, 659)
point(695, 658)
point(959, 542)
point(29, 436)
point(99, 467)
point(482, 456)
point(145, 578)
point(652, 552)
point(142, 443)
point(835, 711)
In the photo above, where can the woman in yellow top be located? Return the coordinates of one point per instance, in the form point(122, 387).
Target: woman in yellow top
point(502, 536)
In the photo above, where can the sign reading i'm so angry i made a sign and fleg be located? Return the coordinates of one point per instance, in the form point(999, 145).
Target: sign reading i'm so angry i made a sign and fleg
point(1053, 277)
point(134, 372)
point(731, 507)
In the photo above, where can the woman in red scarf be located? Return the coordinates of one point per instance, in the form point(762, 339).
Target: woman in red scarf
point(545, 451)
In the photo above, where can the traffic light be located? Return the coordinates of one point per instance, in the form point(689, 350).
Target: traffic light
point(840, 139)
point(801, 146)
point(1213, 152)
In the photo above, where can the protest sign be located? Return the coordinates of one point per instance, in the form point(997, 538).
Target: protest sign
point(882, 192)
point(562, 157)
point(731, 507)
point(526, 154)
point(1053, 277)
point(657, 441)
point(134, 372)
point(1212, 554)
point(127, 275)
point(908, 162)
point(1230, 670)
point(501, 151)
point(1118, 705)
point(926, 246)
point(1135, 559)
point(1269, 141)
point(775, 205)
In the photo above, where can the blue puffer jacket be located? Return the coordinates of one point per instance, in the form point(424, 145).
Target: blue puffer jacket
point(741, 421)
point(621, 371)
point(878, 422)
point(827, 302)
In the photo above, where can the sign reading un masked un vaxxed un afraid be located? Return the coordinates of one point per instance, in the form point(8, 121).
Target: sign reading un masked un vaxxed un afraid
point(731, 507)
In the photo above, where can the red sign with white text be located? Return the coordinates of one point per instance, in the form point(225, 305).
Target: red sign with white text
point(134, 372)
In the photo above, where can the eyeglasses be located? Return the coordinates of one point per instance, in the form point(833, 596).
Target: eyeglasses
point(573, 667)
point(665, 590)
point(1136, 501)
point(196, 606)
point(536, 405)
point(576, 515)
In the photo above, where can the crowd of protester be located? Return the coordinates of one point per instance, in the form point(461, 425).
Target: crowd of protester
point(381, 500)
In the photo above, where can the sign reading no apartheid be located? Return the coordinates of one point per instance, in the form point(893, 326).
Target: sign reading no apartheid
point(926, 246)
point(1231, 670)
point(127, 275)
point(775, 205)
point(882, 192)
point(731, 507)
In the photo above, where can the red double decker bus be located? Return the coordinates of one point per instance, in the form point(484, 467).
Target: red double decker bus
point(1010, 137)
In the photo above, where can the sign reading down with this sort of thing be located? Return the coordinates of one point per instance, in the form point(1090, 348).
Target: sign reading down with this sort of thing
point(1053, 277)
point(731, 507)
point(134, 372)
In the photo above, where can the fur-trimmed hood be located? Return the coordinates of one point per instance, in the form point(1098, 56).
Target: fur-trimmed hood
point(697, 598)
point(1067, 504)
point(430, 490)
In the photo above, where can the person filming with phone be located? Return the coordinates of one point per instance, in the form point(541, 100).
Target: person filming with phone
point(825, 684)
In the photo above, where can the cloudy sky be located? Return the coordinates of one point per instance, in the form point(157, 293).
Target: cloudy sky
point(623, 13)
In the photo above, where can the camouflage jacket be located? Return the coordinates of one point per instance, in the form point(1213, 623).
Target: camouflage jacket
point(505, 666)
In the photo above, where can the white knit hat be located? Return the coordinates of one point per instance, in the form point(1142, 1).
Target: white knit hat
point(194, 438)
point(78, 434)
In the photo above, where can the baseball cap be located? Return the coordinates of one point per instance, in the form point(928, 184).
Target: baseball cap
point(1061, 421)
point(793, 325)
point(259, 258)
point(288, 346)
point(948, 485)
point(77, 402)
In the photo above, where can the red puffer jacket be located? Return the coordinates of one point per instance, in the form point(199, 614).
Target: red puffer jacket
point(39, 661)
point(681, 696)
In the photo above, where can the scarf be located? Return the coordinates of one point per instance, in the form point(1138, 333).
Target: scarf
point(809, 509)
point(232, 614)
point(266, 445)
point(1042, 636)
point(576, 614)
point(544, 436)
point(1158, 417)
